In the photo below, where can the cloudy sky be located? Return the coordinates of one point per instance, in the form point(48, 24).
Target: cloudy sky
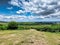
point(29, 10)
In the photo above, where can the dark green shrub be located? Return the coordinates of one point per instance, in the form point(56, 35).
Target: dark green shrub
point(24, 27)
point(3, 27)
point(46, 29)
point(12, 25)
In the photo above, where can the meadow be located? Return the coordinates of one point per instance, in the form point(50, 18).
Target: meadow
point(29, 33)
point(28, 37)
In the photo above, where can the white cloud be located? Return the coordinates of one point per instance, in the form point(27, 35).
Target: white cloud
point(19, 18)
point(46, 8)
point(20, 11)
point(9, 8)
point(14, 3)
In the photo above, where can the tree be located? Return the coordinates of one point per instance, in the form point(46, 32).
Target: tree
point(12, 25)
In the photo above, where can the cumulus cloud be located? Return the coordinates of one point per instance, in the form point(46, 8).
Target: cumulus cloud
point(19, 18)
point(9, 8)
point(20, 11)
point(41, 8)
point(14, 3)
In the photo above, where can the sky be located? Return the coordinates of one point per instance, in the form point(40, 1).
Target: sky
point(30, 10)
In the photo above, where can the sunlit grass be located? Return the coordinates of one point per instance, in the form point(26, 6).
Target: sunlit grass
point(28, 37)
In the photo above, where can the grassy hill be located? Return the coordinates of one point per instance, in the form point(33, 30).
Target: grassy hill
point(28, 37)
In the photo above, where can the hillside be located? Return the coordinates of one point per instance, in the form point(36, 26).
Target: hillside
point(28, 37)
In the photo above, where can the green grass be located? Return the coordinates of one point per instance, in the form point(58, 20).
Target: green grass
point(28, 37)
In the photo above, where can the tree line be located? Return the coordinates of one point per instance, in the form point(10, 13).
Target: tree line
point(30, 25)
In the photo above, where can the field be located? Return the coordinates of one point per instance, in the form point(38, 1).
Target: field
point(47, 27)
point(29, 33)
point(28, 37)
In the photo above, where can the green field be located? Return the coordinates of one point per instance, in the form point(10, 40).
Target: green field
point(25, 33)
point(47, 27)
point(28, 37)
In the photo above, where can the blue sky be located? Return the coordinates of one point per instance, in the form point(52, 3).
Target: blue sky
point(30, 10)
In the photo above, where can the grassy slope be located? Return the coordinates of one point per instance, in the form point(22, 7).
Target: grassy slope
point(28, 37)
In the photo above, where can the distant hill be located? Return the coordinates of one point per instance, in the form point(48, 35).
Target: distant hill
point(42, 22)
point(3, 22)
